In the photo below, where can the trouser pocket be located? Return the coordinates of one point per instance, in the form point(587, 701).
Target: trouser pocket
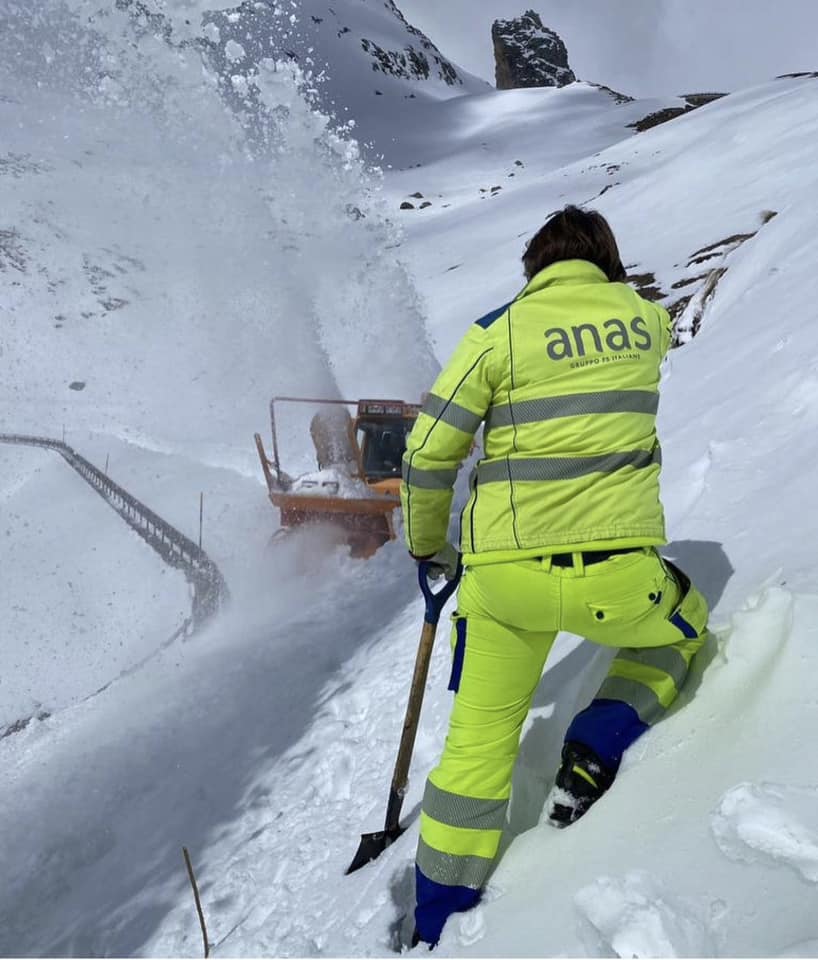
point(458, 652)
point(622, 600)
point(689, 616)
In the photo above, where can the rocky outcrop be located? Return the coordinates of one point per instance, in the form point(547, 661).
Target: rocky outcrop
point(691, 102)
point(412, 62)
point(528, 54)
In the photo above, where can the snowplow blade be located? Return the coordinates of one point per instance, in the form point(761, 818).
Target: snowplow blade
point(366, 522)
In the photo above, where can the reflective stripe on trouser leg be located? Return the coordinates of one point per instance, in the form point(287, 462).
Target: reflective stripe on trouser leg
point(466, 797)
point(649, 679)
point(640, 686)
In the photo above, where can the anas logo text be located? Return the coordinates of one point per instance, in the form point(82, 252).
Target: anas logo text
point(565, 343)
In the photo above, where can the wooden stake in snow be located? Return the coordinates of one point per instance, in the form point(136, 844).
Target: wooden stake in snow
point(202, 924)
point(201, 514)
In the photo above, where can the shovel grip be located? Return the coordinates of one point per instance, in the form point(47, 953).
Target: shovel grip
point(436, 601)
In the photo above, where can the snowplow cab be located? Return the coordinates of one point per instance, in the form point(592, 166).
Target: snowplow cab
point(382, 429)
point(357, 485)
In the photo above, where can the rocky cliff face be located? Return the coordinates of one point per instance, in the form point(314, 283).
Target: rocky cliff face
point(355, 43)
point(418, 59)
point(528, 54)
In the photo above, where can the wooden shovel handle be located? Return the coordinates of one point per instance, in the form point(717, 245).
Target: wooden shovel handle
point(410, 721)
point(435, 601)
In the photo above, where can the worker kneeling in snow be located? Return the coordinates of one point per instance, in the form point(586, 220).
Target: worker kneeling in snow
point(559, 533)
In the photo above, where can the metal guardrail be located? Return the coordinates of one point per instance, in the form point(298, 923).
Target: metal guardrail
point(209, 586)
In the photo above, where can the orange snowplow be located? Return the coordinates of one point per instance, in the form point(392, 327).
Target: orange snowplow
point(357, 485)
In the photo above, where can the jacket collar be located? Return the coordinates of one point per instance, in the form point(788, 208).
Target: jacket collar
point(564, 272)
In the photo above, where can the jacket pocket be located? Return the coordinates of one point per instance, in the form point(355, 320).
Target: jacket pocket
point(458, 653)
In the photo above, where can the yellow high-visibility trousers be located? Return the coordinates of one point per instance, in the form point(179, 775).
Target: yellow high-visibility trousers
point(507, 618)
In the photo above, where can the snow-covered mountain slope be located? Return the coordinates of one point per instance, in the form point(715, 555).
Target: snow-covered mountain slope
point(369, 68)
point(374, 70)
point(115, 256)
point(364, 47)
point(265, 743)
point(503, 139)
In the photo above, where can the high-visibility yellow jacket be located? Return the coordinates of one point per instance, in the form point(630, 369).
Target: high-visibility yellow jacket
point(566, 378)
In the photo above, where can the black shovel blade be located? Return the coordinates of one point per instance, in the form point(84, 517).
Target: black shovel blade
point(372, 845)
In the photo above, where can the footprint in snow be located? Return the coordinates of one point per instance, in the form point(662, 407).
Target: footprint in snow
point(769, 823)
point(634, 917)
point(335, 774)
point(402, 895)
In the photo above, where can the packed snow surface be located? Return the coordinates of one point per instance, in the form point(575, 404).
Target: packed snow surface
point(160, 284)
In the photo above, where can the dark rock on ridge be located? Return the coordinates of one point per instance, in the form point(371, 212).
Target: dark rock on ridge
point(528, 54)
point(692, 102)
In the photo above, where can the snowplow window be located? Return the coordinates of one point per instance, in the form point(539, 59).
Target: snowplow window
point(382, 448)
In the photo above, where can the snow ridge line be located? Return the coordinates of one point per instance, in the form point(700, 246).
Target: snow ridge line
point(210, 590)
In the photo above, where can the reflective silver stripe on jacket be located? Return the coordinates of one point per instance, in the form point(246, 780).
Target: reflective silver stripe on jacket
point(455, 810)
point(573, 405)
point(428, 479)
point(450, 869)
point(447, 411)
point(563, 468)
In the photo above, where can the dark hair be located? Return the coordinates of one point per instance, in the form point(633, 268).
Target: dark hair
point(574, 234)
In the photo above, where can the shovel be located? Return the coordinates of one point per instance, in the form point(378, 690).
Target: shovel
point(373, 844)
